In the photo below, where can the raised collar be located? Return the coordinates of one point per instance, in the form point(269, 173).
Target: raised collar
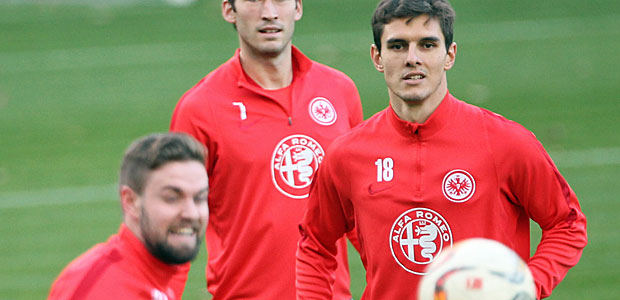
point(437, 120)
point(301, 65)
point(149, 264)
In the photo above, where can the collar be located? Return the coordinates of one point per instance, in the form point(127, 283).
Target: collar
point(138, 254)
point(437, 120)
point(301, 65)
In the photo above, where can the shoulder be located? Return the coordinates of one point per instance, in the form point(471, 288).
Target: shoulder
point(220, 80)
point(504, 129)
point(324, 73)
point(509, 140)
point(87, 272)
point(208, 91)
point(362, 135)
point(494, 124)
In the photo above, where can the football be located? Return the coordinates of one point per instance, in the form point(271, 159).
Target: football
point(479, 269)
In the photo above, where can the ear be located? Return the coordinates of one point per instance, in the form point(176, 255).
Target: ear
point(130, 201)
point(228, 13)
point(375, 56)
point(451, 57)
point(299, 11)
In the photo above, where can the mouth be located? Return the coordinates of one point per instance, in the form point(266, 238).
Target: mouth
point(187, 230)
point(270, 29)
point(414, 76)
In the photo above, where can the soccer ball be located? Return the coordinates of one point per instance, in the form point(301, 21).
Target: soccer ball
point(477, 269)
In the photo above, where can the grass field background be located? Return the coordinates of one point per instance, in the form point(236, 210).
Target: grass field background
point(79, 80)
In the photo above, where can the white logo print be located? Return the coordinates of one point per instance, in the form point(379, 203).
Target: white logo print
point(158, 295)
point(417, 237)
point(458, 186)
point(293, 164)
point(322, 111)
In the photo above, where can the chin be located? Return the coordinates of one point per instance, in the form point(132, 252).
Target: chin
point(272, 51)
point(174, 254)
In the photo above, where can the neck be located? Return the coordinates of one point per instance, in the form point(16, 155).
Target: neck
point(418, 111)
point(134, 227)
point(269, 72)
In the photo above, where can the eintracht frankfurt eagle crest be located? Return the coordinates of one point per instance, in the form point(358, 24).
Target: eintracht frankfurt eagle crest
point(458, 186)
point(293, 164)
point(322, 111)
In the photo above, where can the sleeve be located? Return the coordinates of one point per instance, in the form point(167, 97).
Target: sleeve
point(328, 218)
point(193, 116)
point(356, 117)
point(357, 113)
point(548, 200)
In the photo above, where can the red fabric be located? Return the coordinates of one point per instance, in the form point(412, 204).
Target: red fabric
point(121, 268)
point(252, 233)
point(405, 222)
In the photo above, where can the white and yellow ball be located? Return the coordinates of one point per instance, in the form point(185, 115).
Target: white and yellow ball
point(477, 269)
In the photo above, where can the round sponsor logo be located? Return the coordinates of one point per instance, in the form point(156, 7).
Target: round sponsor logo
point(293, 164)
point(458, 186)
point(322, 111)
point(417, 237)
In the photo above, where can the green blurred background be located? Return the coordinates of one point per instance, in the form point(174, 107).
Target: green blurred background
point(81, 79)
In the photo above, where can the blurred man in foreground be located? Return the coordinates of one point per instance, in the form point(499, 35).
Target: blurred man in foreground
point(163, 190)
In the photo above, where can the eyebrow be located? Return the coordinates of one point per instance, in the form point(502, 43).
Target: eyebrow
point(172, 188)
point(395, 40)
point(179, 191)
point(424, 39)
point(430, 39)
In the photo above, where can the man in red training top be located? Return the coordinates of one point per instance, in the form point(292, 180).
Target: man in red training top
point(163, 188)
point(431, 170)
point(266, 115)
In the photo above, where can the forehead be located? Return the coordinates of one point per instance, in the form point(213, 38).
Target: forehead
point(185, 175)
point(417, 28)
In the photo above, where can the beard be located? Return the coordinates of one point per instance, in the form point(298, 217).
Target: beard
point(162, 250)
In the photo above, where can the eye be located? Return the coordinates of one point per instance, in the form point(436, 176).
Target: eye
point(171, 198)
point(200, 199)
point(396, 46)
point(428, 45)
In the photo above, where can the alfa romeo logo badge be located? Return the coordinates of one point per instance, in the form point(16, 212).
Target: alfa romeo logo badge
point(417, 237)
point(293, 164)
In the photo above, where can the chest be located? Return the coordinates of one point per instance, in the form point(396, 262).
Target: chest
point(414, 198)
point(258, 137)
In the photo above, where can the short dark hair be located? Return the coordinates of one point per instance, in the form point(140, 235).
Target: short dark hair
point(153, 151)
point(387, 10)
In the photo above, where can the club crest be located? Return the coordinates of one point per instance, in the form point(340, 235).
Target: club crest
point(322, 111)
point(293, 164)
point(458, 186)
point(417, 237)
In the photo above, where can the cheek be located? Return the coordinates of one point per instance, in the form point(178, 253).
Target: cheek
point(203, 210)
point(161, 215)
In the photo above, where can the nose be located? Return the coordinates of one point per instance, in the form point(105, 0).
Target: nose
point(190, 209)
point(413, 59)
point(269, 11)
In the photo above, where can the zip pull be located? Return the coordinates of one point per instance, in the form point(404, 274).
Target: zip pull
point(290, 121)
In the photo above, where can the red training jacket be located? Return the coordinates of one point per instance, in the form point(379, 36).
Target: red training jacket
point(412, 190)
point(264, 148)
